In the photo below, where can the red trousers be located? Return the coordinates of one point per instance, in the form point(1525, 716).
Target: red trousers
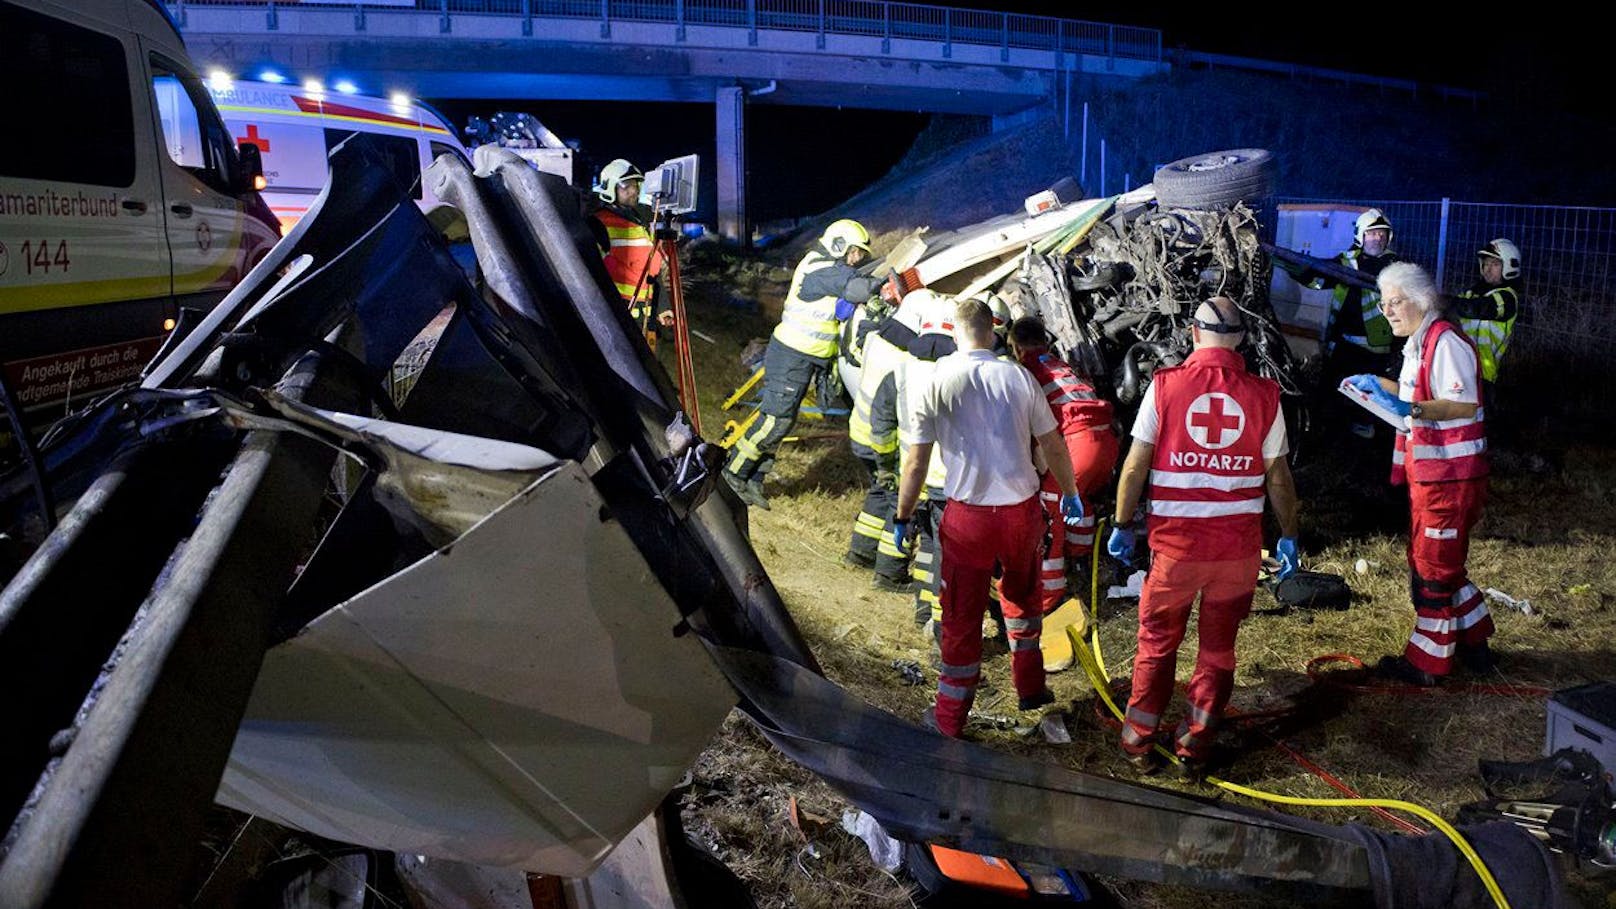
point(974, 538)
point(1449, 611)
point(1094, 458)
point(1225, 588)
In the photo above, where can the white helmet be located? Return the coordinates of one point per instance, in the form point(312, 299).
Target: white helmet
point(933, 312)
point(1507, 253)
point(611, 175)
point(1373, 219)
point(997, 305)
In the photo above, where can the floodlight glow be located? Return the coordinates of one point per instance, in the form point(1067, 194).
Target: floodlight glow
point(399, 99)
point(219, 80)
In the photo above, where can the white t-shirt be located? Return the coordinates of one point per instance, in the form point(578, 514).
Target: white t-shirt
point(983, 413)
point(1146, 427)
point(1453, 368)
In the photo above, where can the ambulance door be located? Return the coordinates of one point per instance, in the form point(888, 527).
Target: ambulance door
point(83, 261)
point(203, 211)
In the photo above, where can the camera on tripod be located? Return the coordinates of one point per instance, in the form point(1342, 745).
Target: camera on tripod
point(670, 188)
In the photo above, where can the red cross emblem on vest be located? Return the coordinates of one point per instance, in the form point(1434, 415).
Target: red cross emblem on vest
point(1215, 420)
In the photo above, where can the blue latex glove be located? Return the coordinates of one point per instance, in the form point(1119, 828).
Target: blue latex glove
point(1071, 509)
point(900, 532)
point(1365, 383)
point(844, 309)
point(1289, 559)
point(1120, 545)
point(1391, 402)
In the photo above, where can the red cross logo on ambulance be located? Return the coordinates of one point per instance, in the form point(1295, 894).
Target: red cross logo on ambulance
point(1215, 420)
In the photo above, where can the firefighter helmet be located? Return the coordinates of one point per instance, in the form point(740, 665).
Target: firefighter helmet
point(618, 172)
point(1507, 253)
point(1372, 219)
point(843, 235)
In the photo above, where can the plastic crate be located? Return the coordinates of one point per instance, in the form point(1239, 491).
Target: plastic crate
point(1584, 718)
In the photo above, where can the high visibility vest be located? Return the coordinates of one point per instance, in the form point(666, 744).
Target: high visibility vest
point(1077, 407)
point(1207, 471)
point(632, 248)
point(1437, 451)
point(809, 326)
point(1492, 335)
point(1377, 336)
point(881, 359)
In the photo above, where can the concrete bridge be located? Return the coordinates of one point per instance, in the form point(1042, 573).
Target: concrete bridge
point(731, 53)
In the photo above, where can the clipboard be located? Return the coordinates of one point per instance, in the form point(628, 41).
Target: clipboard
point(1367, 401)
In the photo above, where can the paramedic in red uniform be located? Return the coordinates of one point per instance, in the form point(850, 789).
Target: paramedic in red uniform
point(1443, 458)
point(1209, 439)
point(1085, 421)
point(984, 413)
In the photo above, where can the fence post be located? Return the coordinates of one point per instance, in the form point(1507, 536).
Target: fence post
point(1442, 243)
point(1083, 164)
point(886, 28)
point(605, 19)
point(527, 18)
point(819, 41)
point(751, 22)
point(359, 17)
point(180, 15)
point(443, 16)
point(1004, 37)
point(679, 17)
point(271, 19)
point(1102, 167)
point(948, 33)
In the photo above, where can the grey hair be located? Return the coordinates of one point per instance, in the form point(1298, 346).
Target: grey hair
point(1415, 283)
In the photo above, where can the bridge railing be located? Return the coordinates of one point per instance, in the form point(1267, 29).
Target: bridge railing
point(867, 18)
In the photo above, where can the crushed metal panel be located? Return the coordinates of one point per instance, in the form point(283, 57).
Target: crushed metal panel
point(517, 699)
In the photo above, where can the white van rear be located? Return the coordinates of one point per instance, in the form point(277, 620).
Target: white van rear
point(294, 127)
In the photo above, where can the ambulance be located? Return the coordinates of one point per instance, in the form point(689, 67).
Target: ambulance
point(123, 197)
point(295, 126)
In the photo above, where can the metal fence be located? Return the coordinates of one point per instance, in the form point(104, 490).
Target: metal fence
point(1568, 261)
point(868, 18)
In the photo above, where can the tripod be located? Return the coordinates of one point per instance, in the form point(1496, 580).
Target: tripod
point(666, 245)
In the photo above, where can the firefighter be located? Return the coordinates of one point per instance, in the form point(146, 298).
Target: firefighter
point(1356, 337)
point(1443, 459)
point(625, 231)
point(1085, 421)
point(824, 291)
point(1487, 311)
point(1208, 441)
point(931, 340)
point(872, 429)
point(982, 413)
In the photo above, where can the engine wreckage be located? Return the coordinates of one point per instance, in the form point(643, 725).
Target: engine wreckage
point(492, 613)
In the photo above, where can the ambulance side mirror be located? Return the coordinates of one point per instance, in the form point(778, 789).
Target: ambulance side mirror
point(252, 167)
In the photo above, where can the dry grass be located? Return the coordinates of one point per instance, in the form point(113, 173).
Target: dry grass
point(1546, 537)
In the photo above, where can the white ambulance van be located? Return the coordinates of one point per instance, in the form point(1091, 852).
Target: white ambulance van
point(295, 126)
point(122, 196)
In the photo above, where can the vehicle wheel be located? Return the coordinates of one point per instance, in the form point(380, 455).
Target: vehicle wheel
point(1216, 179)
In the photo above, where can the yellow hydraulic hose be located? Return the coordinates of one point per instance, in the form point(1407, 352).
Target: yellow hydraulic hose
point(1099, 678)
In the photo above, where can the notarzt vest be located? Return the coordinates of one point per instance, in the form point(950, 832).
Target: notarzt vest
point(1207, 473)
point(1076, 406)
point(809, 326)
point(632, 248)
point(1437, 451)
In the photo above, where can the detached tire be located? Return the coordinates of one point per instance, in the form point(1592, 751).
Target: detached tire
point(1216, 179)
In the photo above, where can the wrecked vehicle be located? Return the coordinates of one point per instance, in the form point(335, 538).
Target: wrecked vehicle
point(488, 614)
point(1116, 280)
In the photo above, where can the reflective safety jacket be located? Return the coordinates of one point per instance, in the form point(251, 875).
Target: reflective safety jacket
point(1487, 314)
point(1355, 315)
point(808, 324)
point(1207, 474)
point(1077, 407)
point(1437, 451)
point(631, 259)
point(873, 425)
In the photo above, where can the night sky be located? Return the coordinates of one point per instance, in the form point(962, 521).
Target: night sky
point(804, 160)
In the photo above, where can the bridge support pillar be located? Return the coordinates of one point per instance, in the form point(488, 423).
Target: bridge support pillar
point(730, 104)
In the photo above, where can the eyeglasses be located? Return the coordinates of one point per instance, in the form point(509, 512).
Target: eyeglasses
point(1390, 303)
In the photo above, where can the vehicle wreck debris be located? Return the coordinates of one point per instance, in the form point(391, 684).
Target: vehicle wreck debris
point(491, 620)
